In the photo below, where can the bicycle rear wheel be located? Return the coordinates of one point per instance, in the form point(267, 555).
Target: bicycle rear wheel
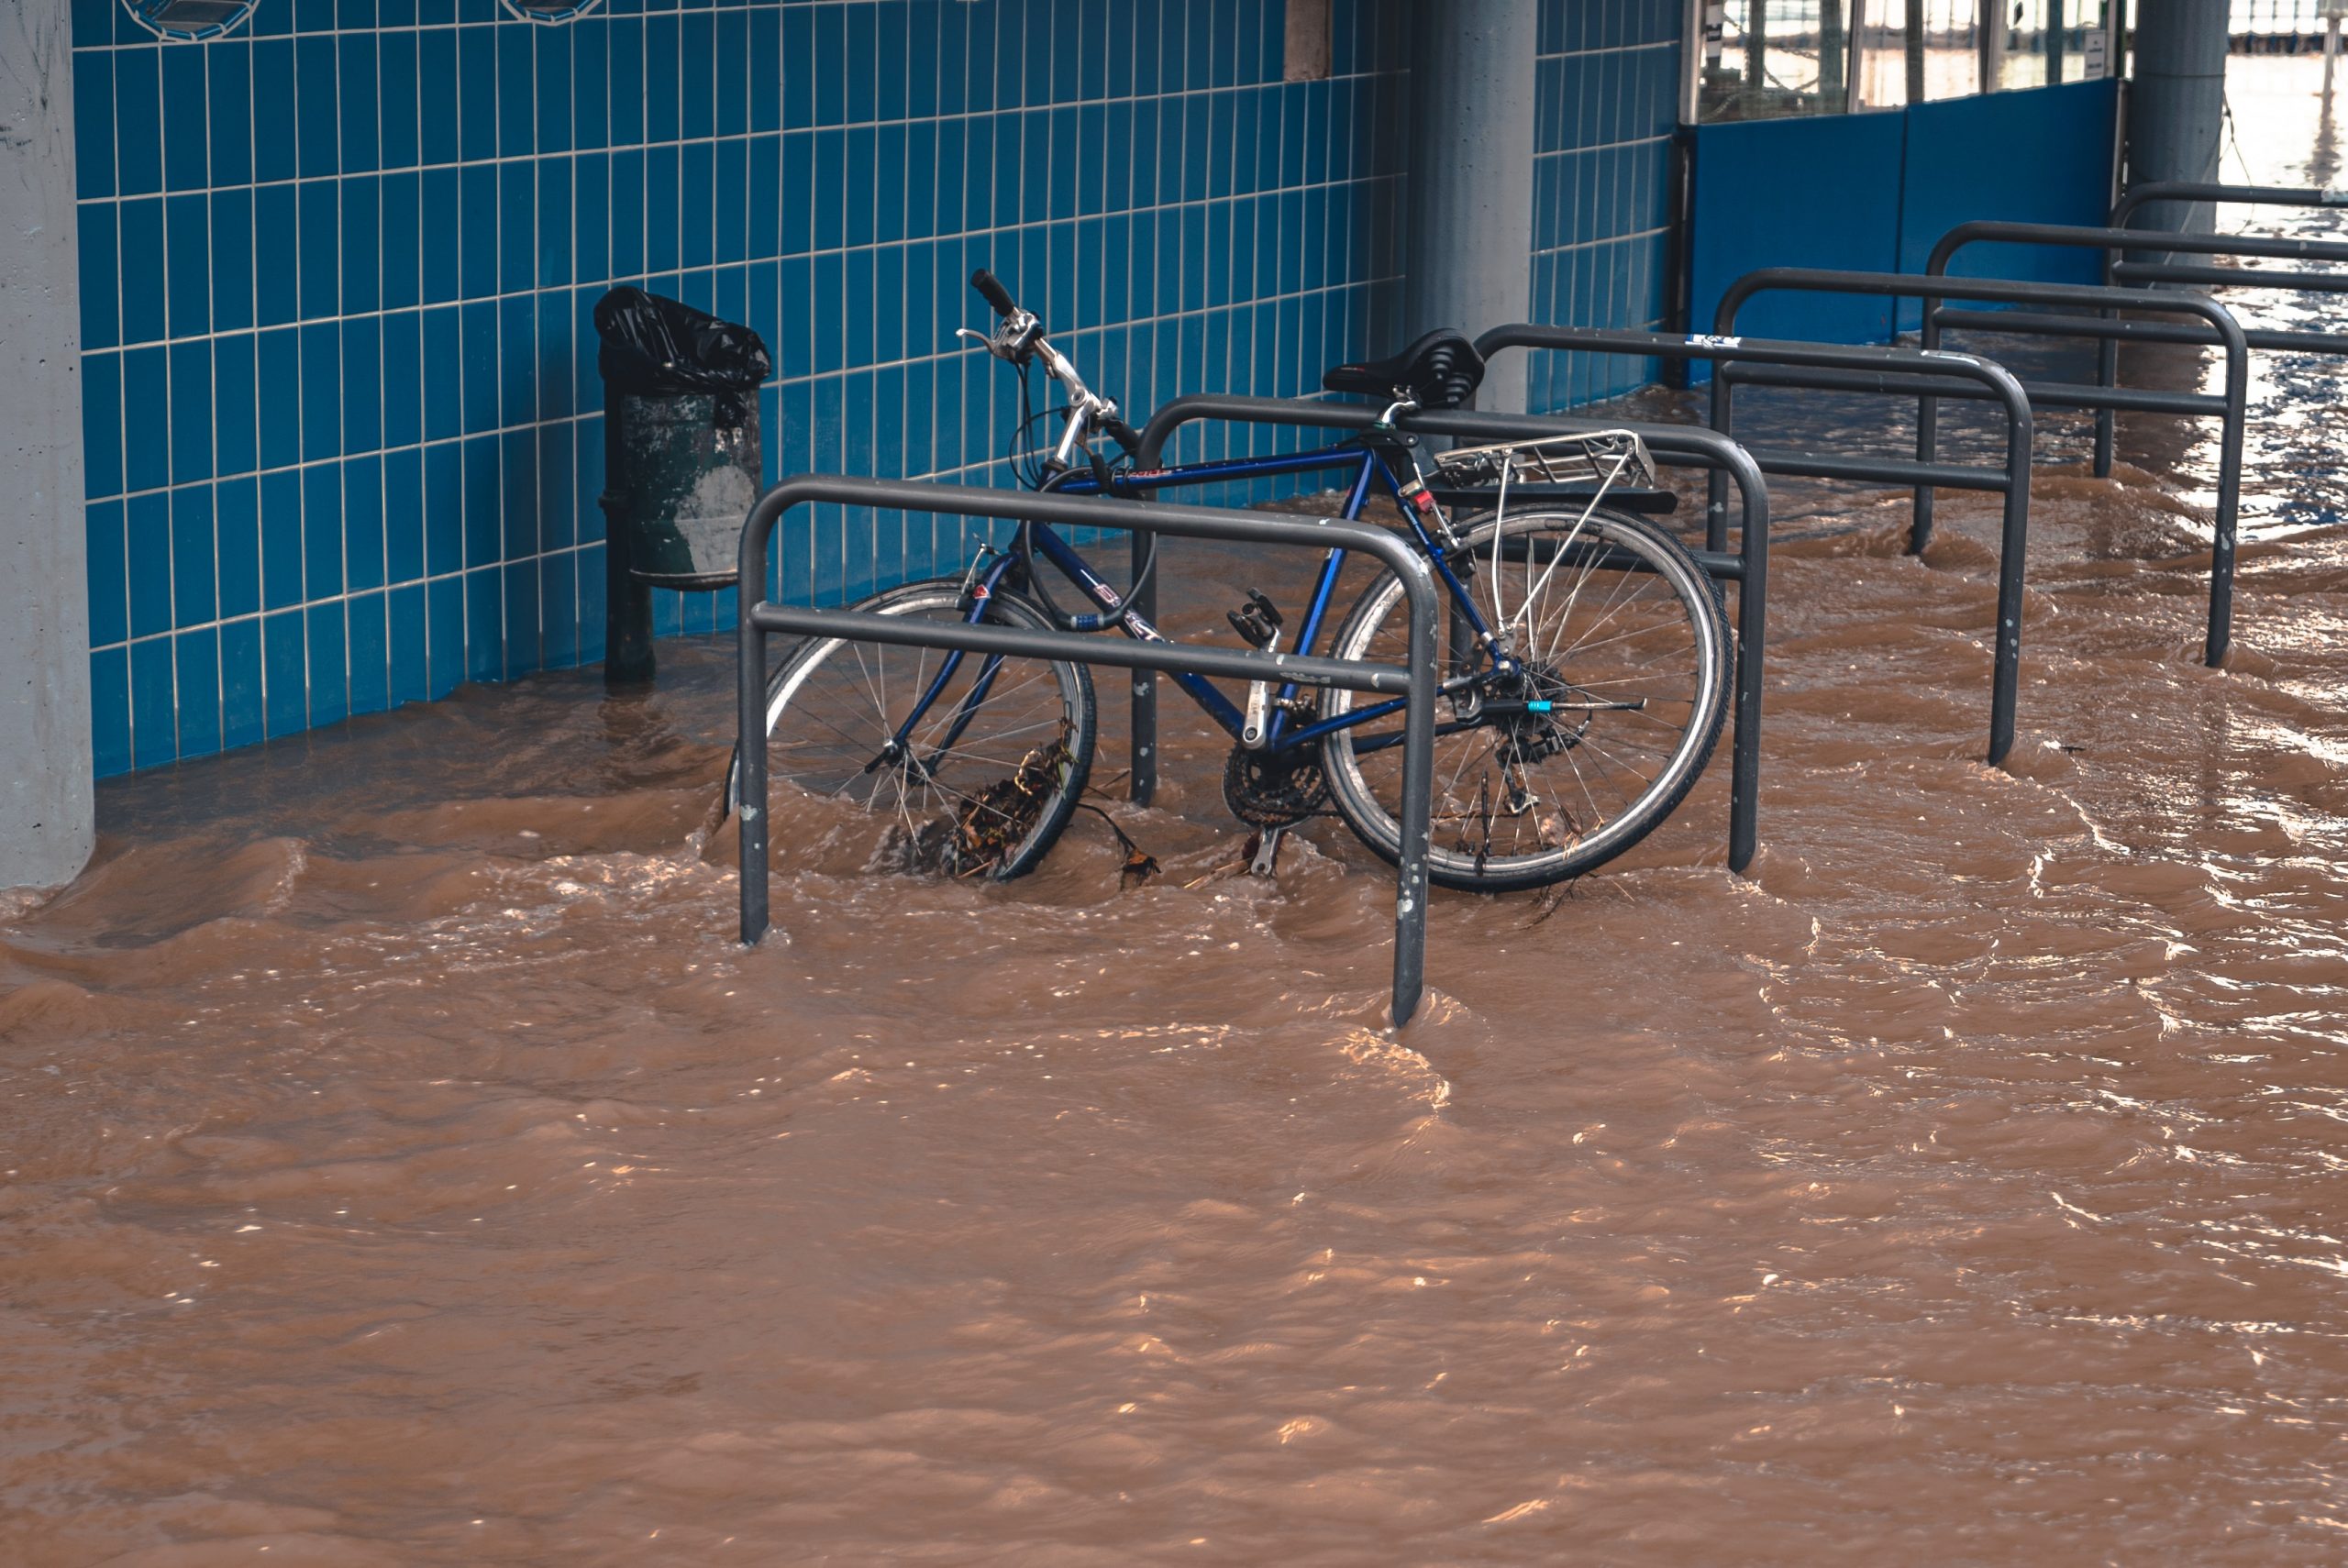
point(981, 779)
point(1625, 650)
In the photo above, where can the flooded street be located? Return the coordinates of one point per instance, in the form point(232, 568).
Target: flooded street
point(400, 1162)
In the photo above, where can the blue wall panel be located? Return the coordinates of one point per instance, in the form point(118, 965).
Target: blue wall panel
point(1873, 192)
point(344, 427)
point(1823, 192)
point(2040, 156)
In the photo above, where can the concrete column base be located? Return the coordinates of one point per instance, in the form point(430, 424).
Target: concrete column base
point(45, 819)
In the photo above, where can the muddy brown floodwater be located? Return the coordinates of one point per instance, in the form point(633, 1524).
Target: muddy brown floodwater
point(400, 1164)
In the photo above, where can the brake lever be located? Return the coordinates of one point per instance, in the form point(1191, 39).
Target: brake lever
point(1011, 347)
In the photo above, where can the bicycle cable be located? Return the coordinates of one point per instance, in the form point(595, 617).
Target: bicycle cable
point(1028, 468)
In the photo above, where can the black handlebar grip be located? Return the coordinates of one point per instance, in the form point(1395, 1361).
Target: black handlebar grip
point(991, 290)
point(1124, 435)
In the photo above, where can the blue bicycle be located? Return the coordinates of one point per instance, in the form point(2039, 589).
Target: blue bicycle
point(1586, 680)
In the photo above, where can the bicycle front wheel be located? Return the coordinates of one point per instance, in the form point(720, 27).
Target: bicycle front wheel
point(980, 769)
point(1624, 651)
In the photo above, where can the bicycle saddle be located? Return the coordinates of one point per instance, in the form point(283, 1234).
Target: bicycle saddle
point(1440, 370)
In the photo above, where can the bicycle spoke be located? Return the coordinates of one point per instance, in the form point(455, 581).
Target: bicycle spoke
point(837, 711)
point(1611, 702)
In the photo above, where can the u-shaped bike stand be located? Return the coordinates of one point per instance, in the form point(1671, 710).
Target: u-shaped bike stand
point(1900, 372)
point(2226, 407)
point(1674, 446)
point(2118, 239)
point(1419, 682)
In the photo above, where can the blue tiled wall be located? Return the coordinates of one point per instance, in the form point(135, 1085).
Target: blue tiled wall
point(344, 427)
point(1607, 104)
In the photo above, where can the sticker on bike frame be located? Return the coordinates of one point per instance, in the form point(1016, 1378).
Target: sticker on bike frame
point(1707, 340)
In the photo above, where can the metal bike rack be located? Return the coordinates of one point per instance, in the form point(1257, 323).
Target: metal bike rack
point(1900, 372)
point(2118, 239)
point(2140, 196)
point(1419, 682)
point(1676, 446)
point(2226, 407)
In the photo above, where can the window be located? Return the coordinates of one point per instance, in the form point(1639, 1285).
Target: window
point(1771, 58)
point(549, 10)
point(183, 20)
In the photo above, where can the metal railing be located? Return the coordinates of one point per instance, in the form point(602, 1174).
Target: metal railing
point(1900, 372)
point(1418, 680)
point(2227, 408)
point(2118, 239)
point(1676, 446)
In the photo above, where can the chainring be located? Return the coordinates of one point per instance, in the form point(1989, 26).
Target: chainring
point(1267, 788)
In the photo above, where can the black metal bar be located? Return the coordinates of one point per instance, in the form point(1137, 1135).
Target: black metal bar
point(1141, 785)
point(2091, 237)
point(2137, 399)
point(2063, 323)
point(1678, 280)
point(2200, 191)
point(1912, 285)
point(1858, 381)
point(1934, 290)
point(2273, 340)
point(1021, 642)
point(2230, 276)
point(1879, 470)
point(1858, 368)
point(2117, 239)
point(1855, 359)
point(2263, 339)
point(1676, 445)
point(1418, 680)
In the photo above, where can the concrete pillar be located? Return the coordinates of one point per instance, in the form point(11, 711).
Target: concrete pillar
point(2176, 108)
point(1834, 57)
point(45, 798)
point(1468, 257)
point(1913, 40)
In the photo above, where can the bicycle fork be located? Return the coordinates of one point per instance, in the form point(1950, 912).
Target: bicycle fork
point(979, 587)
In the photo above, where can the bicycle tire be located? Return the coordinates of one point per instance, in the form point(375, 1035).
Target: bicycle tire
point(1375, 629)
point(987, 752)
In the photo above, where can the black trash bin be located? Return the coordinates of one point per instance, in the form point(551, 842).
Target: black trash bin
point(681, 458)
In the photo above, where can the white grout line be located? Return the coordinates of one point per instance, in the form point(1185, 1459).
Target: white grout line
point(1257, 343)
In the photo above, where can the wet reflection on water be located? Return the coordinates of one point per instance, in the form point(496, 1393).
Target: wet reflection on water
point(402, 1164)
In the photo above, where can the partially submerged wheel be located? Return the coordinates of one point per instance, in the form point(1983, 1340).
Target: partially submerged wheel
point(981, 782)
point(1625, 653)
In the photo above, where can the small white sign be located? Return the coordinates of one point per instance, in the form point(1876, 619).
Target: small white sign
point(2091, 61)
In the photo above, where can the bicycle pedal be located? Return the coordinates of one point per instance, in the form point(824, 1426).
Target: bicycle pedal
point(1258, 621)
point(1266, 859)
point(1252, 631)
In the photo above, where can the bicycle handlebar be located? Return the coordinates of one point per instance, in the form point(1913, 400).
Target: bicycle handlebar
point(991, 290)
point(1020, 338)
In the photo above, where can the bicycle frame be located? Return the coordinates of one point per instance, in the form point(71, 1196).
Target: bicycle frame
point(1370, 468)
